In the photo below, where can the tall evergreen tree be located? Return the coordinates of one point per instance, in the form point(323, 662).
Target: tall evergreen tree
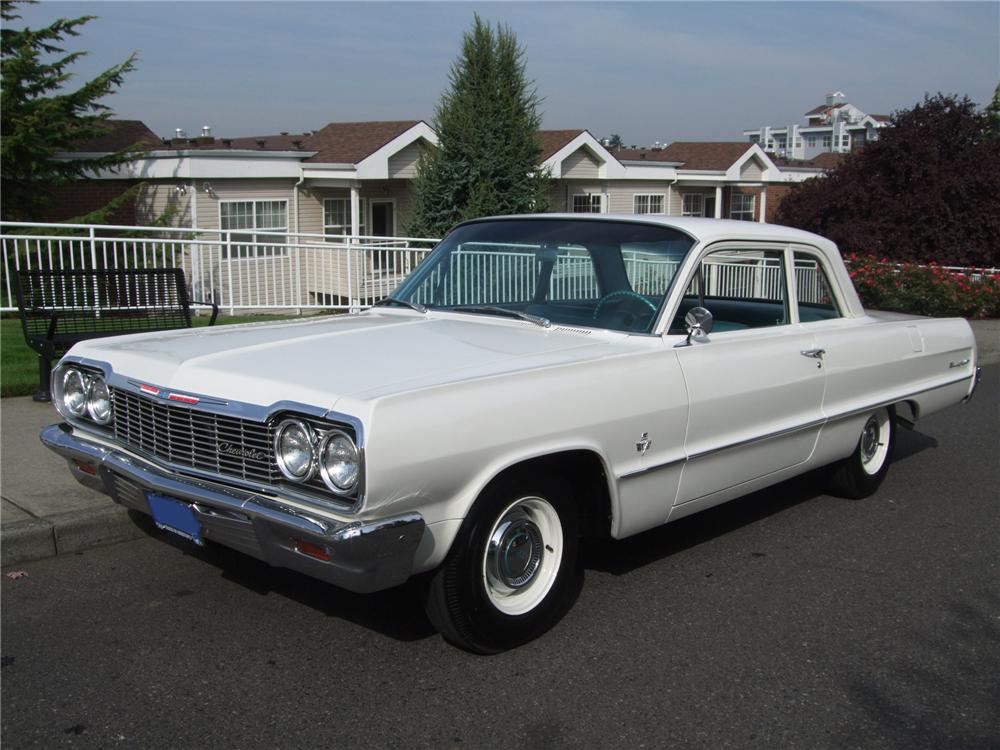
point(487, 121)
point(42, 116)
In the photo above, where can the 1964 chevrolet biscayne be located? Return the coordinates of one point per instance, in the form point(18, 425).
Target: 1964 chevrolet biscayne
point(536, 380)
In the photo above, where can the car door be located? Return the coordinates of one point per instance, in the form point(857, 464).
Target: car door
point(755, 385)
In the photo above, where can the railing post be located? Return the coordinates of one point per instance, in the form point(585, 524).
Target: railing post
point(227, 253)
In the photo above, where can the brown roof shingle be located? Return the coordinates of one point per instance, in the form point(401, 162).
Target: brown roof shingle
point(553, 140)
point(709, 155)
point(352, 142)
point(120, 134)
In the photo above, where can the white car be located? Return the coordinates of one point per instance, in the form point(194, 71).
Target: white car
point(536, 380)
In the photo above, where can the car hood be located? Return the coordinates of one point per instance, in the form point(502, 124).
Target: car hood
point(320, 361)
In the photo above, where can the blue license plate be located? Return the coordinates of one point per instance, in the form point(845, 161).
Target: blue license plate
point(174, 516)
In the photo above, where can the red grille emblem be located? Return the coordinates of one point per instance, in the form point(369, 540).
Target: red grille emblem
point(150, 390)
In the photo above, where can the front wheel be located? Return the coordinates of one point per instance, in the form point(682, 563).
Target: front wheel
point(859, 475)
point(512, 571)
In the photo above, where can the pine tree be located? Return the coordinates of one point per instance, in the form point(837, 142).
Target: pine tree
point(42, 116)
point(487, 160)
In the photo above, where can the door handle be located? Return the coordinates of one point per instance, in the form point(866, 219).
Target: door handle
point(814, 353)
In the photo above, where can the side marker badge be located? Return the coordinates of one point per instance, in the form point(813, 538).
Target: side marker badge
point(643, 445)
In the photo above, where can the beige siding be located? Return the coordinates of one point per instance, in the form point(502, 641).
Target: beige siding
point(156, 198)
point(751, 170)
point(621, 197)
point(580, 165)
point(404, 163)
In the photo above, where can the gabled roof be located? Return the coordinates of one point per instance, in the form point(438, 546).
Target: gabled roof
point(708, 155)
point(881, 118)
point(352, 142)
point(120, 134)
point(553, 140)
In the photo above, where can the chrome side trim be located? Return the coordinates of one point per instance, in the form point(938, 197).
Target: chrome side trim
point(799, 428)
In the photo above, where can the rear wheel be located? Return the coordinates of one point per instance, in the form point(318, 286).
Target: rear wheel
point(512, 570)
point(860, 474)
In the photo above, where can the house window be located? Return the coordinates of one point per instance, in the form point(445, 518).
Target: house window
point(337, 217)
point(741, 206)
point(798, 143)
point(859, 139)
point(811, 141)
point(244, 220)
point(648, 204)
point(587, 203)
point(827, 141)
point(693, 204)
point(755, 139)
point(780, 142)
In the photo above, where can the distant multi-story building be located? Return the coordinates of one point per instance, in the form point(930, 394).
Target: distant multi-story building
point(834, 127)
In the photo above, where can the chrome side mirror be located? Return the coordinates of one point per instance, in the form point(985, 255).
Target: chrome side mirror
point(699, 324)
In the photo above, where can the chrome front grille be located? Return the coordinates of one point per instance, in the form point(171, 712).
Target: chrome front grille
point(187, 437)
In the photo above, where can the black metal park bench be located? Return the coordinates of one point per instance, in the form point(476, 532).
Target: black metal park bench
point(61, 308)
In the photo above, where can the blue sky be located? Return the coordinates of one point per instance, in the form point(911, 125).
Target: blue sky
point(649, 71)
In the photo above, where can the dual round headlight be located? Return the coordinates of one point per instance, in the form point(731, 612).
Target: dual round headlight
point(300, 454)
point(80, 394)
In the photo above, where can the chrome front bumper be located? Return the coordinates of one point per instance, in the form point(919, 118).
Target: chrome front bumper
point(364, 556)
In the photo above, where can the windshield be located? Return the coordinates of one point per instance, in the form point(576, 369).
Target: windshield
point(600, 274)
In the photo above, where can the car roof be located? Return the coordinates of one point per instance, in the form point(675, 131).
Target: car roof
point(703, 230)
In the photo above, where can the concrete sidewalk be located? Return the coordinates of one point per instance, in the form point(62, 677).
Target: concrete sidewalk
point(46, 512)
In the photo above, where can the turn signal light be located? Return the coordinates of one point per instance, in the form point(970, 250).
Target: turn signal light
point(313, 550)
point(85, 467)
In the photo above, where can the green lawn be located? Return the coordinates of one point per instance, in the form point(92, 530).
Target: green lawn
point(19, 364)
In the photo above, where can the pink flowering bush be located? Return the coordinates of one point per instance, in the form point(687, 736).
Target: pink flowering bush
point(923, 290)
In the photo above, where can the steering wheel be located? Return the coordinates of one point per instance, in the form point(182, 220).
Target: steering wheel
point(622, 298)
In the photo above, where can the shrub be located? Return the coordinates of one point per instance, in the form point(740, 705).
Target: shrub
point(924, 290)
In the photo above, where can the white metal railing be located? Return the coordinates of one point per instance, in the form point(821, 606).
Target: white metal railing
point(239, 270)
point(236, 270)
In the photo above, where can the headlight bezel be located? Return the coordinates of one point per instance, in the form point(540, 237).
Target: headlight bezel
point(96, 382)
point(81, 377)
point(324, 471)
point(279, 459)
point(86, 381)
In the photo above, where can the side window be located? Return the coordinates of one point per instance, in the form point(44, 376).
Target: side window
point(742, 289)
point(815, 300)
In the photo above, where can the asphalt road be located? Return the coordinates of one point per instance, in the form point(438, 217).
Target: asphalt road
point(789, 619)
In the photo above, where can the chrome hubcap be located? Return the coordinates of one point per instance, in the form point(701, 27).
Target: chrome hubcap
point(523, 555)
point(869, 440)
point(514, 554)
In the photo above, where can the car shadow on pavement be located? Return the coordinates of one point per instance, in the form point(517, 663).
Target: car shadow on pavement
point(619, 557)
point(396, 612)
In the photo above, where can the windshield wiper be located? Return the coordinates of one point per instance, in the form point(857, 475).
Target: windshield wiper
point(412, 305)
point(493, 309)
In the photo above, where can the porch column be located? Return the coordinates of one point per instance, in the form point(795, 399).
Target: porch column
point(763, 205)
point(718, 202)
point(355, 213)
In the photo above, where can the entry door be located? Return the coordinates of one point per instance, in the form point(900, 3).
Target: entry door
point(383, 218)
point(755, 392)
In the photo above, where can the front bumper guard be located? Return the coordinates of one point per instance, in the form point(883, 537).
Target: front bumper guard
point(364, 556)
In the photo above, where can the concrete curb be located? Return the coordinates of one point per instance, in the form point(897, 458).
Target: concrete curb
point(64, 533)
